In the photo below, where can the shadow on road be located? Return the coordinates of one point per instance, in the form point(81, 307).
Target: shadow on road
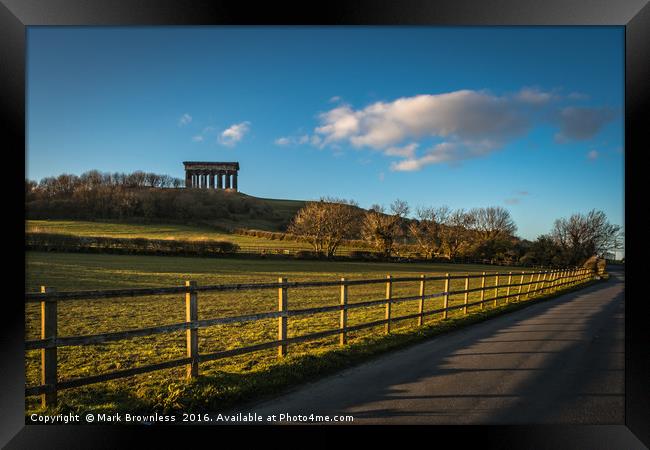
point(558, 361)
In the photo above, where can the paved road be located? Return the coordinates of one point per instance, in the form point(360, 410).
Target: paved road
point(560, 361)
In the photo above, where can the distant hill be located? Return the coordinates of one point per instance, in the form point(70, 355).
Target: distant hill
point(283, 212)
point(218, 208)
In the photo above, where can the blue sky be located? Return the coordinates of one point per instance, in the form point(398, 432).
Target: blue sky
point(526, 118)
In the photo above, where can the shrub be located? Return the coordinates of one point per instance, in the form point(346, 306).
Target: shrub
point(363, 254)
point(65, 242)
point(307, 254)
point(591, 264)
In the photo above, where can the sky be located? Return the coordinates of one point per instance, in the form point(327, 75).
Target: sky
point(527, 118)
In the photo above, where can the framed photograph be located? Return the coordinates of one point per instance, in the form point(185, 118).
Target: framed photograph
point(350, 218)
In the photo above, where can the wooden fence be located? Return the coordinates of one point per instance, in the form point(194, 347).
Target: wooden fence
point(543, 281)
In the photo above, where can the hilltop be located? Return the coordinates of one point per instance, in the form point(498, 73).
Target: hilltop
point(225, 210)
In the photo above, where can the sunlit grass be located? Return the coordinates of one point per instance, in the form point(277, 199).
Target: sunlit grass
point(234, 375)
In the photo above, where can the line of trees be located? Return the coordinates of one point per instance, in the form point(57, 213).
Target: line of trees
point(94, 179)
point(442, 232)
point(97, 195)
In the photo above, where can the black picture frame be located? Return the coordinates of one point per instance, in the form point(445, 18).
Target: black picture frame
point(634, 15)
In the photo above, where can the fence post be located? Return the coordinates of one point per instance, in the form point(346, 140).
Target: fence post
point(282, 320)
point(422, 286)
point(551, 279)
point(496, 289)
point(543, 287)
point(446, 298)
point(508, 290)
point(49, 355)
point(343, 322)
point(536, 285)
point(530, 283)
point(192, 334)
point(483, 291)
point(520, 287)
point(466, 294)
point(389, 295)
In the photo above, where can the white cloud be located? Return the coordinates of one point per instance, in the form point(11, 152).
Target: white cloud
point(184, 120)
point(534, 96)
point(235, 133)
point(440, 153)
point(593, 155)
point(476, 119)
point(335, 99)
point(292, 140)
point(511, 201)
point(408, 151)
point(197, 138)
point(465, 124)
point(381, 176)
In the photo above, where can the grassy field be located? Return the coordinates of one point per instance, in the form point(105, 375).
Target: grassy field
point(222, 382)
point(154, 231)
point(283, 210)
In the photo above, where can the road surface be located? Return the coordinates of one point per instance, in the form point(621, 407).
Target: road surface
point(559, 361)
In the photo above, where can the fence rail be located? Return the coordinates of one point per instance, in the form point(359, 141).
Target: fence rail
point(540, 281)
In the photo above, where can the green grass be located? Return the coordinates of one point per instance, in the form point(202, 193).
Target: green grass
point(231, 380)
point(154, 231)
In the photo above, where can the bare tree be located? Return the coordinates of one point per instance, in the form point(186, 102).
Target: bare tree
point(326, 224)
point(91, 179)
point(381, 229)
point(456, 232)
point(582, 236)
point(427, 230)
point(492, 222)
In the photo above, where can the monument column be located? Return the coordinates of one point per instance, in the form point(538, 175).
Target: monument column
point(234, 180)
